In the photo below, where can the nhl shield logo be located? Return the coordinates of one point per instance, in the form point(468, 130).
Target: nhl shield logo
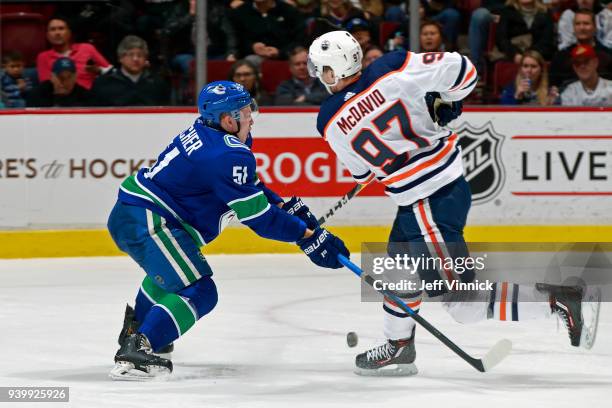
point(481, 153)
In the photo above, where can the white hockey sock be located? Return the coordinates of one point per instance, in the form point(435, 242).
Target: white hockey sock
point(397, 323)
point(512, 302)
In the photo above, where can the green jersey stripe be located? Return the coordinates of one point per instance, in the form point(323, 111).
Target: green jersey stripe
point(251, 206)
point(184, 268)
point(131, 186)
point(181, 253)
point(163, 248)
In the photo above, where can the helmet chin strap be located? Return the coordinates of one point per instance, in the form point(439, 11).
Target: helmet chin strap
point(328, 86)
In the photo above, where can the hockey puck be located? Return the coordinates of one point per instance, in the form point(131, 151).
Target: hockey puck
point(352, 339)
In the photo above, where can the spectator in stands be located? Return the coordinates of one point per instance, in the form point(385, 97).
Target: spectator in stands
point(531, 84)
point(523, 25)
point(62, 89)
point(478, 31)
point(444, 12)
point(301, 89)
point(360, 29)
point(131, 84)
point(103, 23)
point(430, 37)
point(339, 12)
point(88, 61)
point(14, 85)
point(266, 29)
point(371, 54)
point(394, 11)
point(604, 24)
point(566, 35)
point(590, 89)
point(373, 9)
point(561, 71)
point(247, 74)
point(309, 9)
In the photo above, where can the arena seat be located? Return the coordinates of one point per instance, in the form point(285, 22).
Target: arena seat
point(218, 70)
point(385, 29)
point(273, 73)
point(503, 73)
point(23, 32)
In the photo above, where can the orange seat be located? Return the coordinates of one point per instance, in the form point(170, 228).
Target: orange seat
point(274, 72)
point(23, 32)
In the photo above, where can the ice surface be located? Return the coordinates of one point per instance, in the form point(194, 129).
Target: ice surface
point(276, 339)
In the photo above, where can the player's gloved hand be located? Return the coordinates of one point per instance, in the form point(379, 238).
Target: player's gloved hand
point(296, 207)
point(323, 248)
point(442, 112)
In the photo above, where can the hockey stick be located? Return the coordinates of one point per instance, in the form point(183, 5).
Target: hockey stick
point(494, 356)
point(341, 202)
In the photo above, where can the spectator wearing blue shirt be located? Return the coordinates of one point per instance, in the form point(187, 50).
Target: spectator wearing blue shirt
point(14, 84)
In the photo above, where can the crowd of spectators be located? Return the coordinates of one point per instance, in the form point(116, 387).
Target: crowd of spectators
point(141, 53)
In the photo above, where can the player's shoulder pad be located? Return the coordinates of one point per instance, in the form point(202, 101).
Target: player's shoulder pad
point(389, 62)
point(232, 157)
point(233, 142)
point(328, 109)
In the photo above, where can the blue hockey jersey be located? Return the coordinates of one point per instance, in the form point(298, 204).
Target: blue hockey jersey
point(204, 179)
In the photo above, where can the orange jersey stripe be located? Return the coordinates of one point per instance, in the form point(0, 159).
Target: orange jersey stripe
point(366, 181)
point(410, 305)
point(425, 164)
point(502, 305)
point(467, 78)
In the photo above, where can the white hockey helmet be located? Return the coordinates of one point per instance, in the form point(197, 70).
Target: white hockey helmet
point(339, 51)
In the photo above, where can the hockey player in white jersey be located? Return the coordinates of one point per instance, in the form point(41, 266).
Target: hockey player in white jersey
point(388, 122)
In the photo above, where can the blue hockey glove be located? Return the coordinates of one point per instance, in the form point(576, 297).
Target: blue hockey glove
point(442, 112)
point(296, 207)
point(323, 248)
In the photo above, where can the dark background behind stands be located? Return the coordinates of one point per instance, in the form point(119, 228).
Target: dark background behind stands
point(168, 26)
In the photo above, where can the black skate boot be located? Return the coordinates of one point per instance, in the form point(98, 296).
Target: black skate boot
point(578, 307)
point(394, 358)
point(130, 326)
point(135, 360)
point(566, 302)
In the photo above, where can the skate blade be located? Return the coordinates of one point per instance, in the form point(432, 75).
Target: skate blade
point(591, 304)
point(124, 371)
point(392, 370)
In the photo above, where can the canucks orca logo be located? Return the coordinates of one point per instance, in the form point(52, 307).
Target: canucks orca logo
point(481, 151)
point(219, 90)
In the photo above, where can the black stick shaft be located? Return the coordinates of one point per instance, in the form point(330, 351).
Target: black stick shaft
point(341, 202)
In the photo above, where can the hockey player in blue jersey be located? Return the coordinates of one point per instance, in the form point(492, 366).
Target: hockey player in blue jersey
point(204, 178)
point(388, 122)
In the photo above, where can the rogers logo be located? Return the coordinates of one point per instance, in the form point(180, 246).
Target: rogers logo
point(289, 167)
point(305, 166)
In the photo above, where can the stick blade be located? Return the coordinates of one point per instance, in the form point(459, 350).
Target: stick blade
point(498, 352)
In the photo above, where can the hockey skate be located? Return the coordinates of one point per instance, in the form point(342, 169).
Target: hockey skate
point(130, 326)
point(578, 308)
point(135, 361)
point(394, 358)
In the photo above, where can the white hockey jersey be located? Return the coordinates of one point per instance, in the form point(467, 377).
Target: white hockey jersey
point(380, 126)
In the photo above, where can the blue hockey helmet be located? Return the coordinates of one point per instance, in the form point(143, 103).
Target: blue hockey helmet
point(219, 97)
